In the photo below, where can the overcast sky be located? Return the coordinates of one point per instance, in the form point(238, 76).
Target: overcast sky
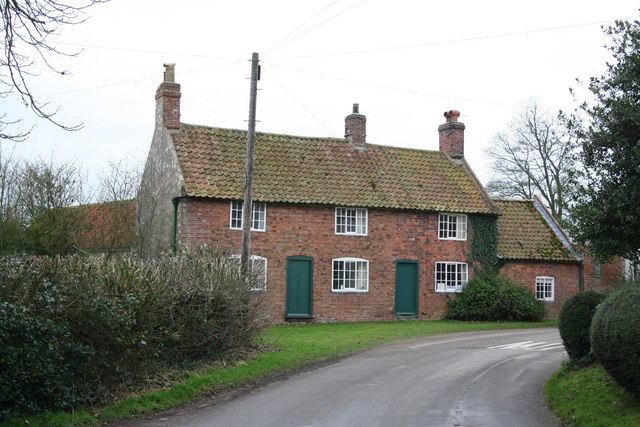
point(405, 62)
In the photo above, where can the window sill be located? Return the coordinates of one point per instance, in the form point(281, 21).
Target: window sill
point(348, 291)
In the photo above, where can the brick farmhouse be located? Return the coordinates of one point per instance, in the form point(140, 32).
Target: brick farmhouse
point(344, 230)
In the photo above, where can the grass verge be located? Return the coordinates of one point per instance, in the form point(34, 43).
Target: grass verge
point(293, 347)
point(589, 397)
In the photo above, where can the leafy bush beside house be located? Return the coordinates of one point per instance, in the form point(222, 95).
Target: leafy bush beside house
point(496, 298)
point(83, 327)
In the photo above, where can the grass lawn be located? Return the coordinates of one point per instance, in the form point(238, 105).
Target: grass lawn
point(290, 347)
point(589, 397)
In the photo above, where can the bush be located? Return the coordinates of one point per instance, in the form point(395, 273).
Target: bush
point(615, 336)
point(40, 362)
point(117, 320)
point(496, 298)
point(575, 323)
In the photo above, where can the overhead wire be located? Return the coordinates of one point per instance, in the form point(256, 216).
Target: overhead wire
point(284, 41)
point(320, 24)
point(156, 52)
point(276, 45)
point(441, 42)
point(129, 82)
point(391, 88)
point(302, 104)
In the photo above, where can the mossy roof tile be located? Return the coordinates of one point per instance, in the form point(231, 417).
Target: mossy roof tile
point(325, 171)
point(525, 235)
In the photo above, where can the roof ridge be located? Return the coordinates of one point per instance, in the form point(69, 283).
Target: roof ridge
point(314, 138)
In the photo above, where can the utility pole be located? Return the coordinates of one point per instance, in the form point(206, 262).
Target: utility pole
point(247, 204)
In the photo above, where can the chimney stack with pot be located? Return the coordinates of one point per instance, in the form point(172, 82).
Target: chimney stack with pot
point(168, 100)
point(355, 127)
point(452, 135)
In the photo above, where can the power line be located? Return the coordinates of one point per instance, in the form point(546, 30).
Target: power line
point(277, 44)
point(129, 82)
point(155, 52)
point(443, 42)
point(320, 24)
point(395, 89)
point(295, 98)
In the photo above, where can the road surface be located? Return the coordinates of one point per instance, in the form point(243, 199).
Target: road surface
point(493, 378)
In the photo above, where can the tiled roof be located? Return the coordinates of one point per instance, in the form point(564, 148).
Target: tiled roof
point(525, 235)
point(324, 171)
point(106, 226)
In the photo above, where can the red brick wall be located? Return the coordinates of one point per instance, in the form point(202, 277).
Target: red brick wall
point(308, 230)
point(611, 274)
point(168, 99)
point(452, 139)
point(566, 279)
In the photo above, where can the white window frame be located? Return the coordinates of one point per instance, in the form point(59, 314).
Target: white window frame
point(445, 283)
point(258, 216)
point(545, 288)
point(256, 260)
point(351, 221)
point(452, 226)
point(349, 275)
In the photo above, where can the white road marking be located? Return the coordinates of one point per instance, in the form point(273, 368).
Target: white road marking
point(530, 345)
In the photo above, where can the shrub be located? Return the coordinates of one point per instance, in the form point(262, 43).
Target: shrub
point(496, 298)
point(575, 323)
point(615, 336)
point(129, 318)
point(40, 362)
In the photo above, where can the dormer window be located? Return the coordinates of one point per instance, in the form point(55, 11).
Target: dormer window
point(452, 226)
point(351, 221)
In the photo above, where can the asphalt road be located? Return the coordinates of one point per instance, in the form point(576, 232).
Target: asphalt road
point(472, 379)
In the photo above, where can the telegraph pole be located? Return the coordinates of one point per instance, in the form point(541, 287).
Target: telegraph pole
point(247, 204)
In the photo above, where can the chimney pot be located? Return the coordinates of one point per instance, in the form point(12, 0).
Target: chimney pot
point(170, 73)
point(452, 115)
point(356, 108)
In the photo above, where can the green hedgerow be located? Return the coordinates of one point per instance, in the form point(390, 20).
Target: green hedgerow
point(615, 336)
point(40, 362)
point(496, 298)
point(575, 324)
point(116, 320)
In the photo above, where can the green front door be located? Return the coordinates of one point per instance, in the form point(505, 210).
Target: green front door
point(299, 287)
point(406, 288)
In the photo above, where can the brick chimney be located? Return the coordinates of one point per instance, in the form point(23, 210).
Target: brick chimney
point(452, 135)
point(168, 100)
point(355, 127)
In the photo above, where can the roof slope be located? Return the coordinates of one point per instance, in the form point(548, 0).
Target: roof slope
point(106, 226)
point(325, 171)
point(526, 235)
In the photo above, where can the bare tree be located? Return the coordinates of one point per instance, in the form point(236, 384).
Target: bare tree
point(534, 156)
point(48, 196)
point(27, 26)
point(119, 183)
point(112, 222)
point(11, 222)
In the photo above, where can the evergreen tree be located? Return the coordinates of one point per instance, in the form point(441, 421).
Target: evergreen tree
point(607, 211)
